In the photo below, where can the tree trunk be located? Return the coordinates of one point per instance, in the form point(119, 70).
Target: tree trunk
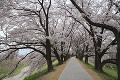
point(111, 28)
point(98, 65)
point(65, 57)
point(57, 56)
point(81, 55)
point(62, 58)
point(60, 62)
point(118, 56)
point(86, 59)
point(48, 52)
point(76, 55)
point(81, 58)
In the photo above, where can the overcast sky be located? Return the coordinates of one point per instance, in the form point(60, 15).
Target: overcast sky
point(1, 33)
point(24, 51)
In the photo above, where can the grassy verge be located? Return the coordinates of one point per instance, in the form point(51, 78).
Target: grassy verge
point(41, 72)
point(6, 68)
point(109, 74)
point(18, 70)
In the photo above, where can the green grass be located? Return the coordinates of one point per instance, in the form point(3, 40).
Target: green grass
point(18, 70)
point(55, 63)
point(43, 71)
point(36, 75)
point(4, 71)
point(109, 74)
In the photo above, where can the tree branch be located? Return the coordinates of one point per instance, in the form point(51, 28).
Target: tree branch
point(16, 66)
point(113, 61)
point(111, 28)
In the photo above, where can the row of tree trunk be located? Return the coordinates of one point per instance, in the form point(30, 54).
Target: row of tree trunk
point(61, 58)
point(97, 44)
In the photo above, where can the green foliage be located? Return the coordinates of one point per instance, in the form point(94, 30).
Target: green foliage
point(109, 73)
point(4, 71)
point(7, 66)
point(36, 75)
point(43, 71)
point(18, 70)
point(55, 63)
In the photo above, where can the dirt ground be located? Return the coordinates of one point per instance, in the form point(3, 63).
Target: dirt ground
point(54, 75)
point(93, 74)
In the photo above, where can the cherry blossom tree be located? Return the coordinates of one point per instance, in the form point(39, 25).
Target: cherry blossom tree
point(110, 27)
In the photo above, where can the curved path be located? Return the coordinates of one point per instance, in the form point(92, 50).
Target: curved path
point(21, 76)
point(74, 71)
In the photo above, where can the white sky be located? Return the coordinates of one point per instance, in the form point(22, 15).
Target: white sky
point(24, 51)
point(2, 34)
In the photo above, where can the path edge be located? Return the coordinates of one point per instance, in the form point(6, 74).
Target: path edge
point(55, 75)
point(92, 73)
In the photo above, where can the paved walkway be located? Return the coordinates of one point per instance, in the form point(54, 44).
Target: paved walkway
point(20, 76)
point(74, 71)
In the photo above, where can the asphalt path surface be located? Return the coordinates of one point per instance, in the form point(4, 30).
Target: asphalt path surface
point(74, 71)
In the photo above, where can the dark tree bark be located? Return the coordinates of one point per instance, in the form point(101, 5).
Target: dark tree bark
point(98, 65)
point(97, 46)
point(118, 55)
point(57, 56)
point(81, 55)
point(112, 61)
point(66, 57)
point(86, 59)
point(48, 54)
point(62, 58)
point(76, 55)
point(45, 26)
point(111, 28)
